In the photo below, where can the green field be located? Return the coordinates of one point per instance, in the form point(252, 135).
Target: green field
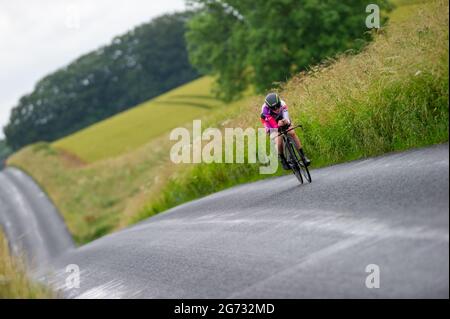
point(391, 96)
point(127, 131)
point(101, 176)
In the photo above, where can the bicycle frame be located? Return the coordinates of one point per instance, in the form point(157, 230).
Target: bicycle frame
point(298, 167)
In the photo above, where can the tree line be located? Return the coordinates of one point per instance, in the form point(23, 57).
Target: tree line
point(5, 151)
point(141, 64)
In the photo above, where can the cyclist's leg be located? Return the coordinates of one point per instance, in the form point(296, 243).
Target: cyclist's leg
point(280, 147)
point(278, 140)
point(297, 141)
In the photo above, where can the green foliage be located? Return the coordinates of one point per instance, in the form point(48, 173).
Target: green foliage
point(5, 151)
point(141, 64)
point(264, 42)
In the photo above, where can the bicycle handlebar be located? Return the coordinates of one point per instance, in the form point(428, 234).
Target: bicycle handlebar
point(285, 131)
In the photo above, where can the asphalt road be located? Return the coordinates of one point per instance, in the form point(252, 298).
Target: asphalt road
point(277, 239)
point(32, 224)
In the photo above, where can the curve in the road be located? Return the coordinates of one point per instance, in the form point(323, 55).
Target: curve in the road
point(30, 220)
point(276, 239)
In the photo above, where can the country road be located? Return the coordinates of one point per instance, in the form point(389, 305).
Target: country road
point(29, 219)
point(269, 239)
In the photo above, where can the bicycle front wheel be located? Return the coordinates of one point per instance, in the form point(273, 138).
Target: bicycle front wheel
point(303, 168)
point(305, 171)
point(289, 151)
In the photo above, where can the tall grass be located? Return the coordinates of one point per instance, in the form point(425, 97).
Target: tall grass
point(392, 96)
point(14, 282)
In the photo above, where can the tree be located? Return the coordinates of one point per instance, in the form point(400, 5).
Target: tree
point(5, 151)
point(143, 63)
point(257, 43)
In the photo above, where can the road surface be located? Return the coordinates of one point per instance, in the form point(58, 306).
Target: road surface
point(32, 224)
point(276, 239)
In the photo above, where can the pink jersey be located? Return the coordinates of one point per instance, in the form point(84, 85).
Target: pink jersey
point(270, 118)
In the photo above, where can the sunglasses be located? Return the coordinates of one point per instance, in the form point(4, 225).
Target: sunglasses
point(277, 107)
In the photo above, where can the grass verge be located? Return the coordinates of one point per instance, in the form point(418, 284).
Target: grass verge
point(14, 283)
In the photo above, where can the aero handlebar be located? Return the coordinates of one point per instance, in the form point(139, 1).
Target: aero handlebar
point(292, 128)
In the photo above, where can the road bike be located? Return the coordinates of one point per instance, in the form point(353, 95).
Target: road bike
point(293, 157)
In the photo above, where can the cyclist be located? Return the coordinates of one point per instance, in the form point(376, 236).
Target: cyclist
point(274, 115)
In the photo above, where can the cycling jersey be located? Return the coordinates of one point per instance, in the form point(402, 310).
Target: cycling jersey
point(270, 118)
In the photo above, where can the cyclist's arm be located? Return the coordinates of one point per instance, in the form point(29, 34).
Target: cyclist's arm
point(268, 121)
point(285, 113)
